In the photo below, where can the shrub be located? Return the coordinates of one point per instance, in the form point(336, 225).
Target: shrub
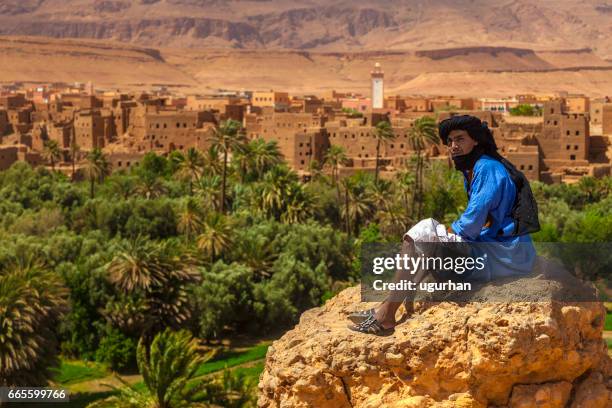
point(117, 350)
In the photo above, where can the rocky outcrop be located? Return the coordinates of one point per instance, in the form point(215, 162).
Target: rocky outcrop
point(521, 354)
point(287, 29)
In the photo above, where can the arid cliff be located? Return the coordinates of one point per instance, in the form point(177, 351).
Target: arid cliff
point(340, 25)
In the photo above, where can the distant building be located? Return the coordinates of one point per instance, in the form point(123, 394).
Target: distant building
point(606, 118)
point(278, 100)
point(569, 140)
point(596, 110)
point(378, 98)
point(498, 104)
point(357, 104)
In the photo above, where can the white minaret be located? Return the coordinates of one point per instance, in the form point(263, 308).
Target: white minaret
point(377, 87)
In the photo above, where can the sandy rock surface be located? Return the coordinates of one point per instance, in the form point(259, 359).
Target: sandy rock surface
point(544, 354)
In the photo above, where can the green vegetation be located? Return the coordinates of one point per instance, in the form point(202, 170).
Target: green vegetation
point(251, 372)
point(75, 371)
point(32, 301)
point(170, 374)
point(352, 113)
point(200, 244)
point(234, 358)
point(526, 110)
point(608, 324)
point(383, 134)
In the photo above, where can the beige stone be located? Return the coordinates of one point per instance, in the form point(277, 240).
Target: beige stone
point(538, 354)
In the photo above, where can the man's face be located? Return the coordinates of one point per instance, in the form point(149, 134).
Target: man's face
point(460, 142)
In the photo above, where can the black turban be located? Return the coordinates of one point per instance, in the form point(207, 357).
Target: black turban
point(478, 130)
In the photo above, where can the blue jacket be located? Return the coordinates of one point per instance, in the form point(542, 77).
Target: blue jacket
point(492, 193)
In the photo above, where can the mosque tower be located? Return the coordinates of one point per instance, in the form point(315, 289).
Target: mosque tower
point(377, 87)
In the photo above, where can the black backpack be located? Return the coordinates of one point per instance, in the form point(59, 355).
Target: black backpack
point(525, 209)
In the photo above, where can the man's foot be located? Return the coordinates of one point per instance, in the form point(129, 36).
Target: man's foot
point(372, 326)
point(361, 316)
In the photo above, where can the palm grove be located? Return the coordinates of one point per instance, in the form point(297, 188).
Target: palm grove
point(202, 245)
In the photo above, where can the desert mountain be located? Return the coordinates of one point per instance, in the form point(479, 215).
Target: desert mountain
point(451, 47)
point(319, 24)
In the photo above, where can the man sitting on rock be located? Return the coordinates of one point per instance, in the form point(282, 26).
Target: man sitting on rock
point(501, 209)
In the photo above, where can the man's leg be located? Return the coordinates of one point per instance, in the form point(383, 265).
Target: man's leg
point(385, 313)
point(423, 231)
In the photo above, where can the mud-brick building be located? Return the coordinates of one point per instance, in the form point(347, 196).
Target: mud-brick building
point(164, 130)
point(526, 159)
point(123, 114)
point(211, 102)
point(565, 136)
point(606, 118)
point(517, 140)
point(13, 101)
point(4, 123)
point(81, 101)
point(94, 128)
point(61, 132)
point(300, 137)
point(358, 139)
point(12, 154)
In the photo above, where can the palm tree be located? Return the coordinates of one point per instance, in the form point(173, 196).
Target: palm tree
point(207, 188)
point(140, 264)
point(256, 158)
point(190, 218)
point(335, 157)
point(51, 153)
point(358, 202)
point(32, 303)
point(314, 167)
point(274, 190)
point(123, 186)
point(189, 166)
point(156, 273)
point(383, 133)
point(298, 205)
point(405, 187)
point(242, 159)
point(169, 368)
point(423, 131)
point(216, 236)
point(96, 168)
point(347, 184)
point(382, 194)
point(150, 186)
point(212, 161)
point(391, 203)
point(265, 155)
point(169, 371)
point(227, 137)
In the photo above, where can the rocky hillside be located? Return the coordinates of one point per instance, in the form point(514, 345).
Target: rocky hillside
point(478, 355)
point(319, 24)
point(35, 59)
